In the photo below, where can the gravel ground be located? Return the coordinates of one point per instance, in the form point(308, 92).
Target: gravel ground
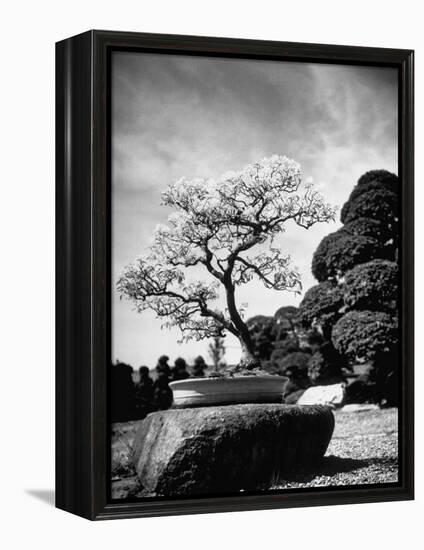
point(363, 450)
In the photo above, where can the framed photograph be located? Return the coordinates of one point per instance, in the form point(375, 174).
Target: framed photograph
point(234, 274)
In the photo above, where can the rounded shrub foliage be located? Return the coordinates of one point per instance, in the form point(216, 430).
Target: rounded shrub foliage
point(286, 322)
point(291, 364)
point(377, 204)
point(372, 183)
point(287, 316)
point(338, 252)
point(261, 329)
point(372, 286)
point(284, 346)
point(366, 227)
point(383, 177)
point(325, 365)
point(365, 334)
point(321, 305)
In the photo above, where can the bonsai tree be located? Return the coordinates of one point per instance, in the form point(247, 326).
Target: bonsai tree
point(216, 226)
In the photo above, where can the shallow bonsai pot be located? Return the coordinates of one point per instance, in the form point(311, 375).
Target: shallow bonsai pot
point(202, 392)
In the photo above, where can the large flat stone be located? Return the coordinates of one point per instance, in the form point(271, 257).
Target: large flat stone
point(224, 449)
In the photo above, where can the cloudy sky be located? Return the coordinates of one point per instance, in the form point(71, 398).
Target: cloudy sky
point(175, 116)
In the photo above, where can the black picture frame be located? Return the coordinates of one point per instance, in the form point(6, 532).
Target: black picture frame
point(83, 272)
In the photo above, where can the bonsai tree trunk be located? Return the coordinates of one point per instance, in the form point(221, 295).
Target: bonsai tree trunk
point(247, 360)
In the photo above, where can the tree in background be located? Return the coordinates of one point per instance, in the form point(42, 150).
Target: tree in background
point(144, 393)
point(340, 251)
point(162, 392)
point(217, 351)
point(122, 392)
point(321, 307)
point(287, 325)
point(179, 370)
point(217, 225)
point(370, 231)
point(262, 333)
point(199, 367)
point(365, 334)
point(285, 346)
point(355, 303)
point(326, 365)
point(372, 286)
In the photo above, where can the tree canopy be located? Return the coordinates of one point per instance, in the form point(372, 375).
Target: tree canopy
point(372, 285)
point(287, 324)
point(365, 334)
point(339, 251)
point(296, 362)
point(355, 303)
point(377, 204)
point(261, 329)
point(321, 306)
point(216, 225)
point(383, 178)
point(368, 227)
point(325, 365)
point(374, 196)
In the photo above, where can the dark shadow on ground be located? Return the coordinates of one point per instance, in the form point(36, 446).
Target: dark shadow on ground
point(45, 495)
point(332, 465)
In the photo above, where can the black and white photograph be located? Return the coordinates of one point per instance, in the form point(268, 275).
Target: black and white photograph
point(210, 219)
point(255, 342)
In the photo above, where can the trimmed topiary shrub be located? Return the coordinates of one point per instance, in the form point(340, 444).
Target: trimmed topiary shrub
point(371, 181)
point(290, 344)
point(321, 306)
point(338, 252)
point(372, 285)
point(384, 178)
point(366, 227)
point(365, 334)
point(287, 317)
point(295, 362)
point(355, 303)
point(377, 204)
point(261, 330)
point(325, 365)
